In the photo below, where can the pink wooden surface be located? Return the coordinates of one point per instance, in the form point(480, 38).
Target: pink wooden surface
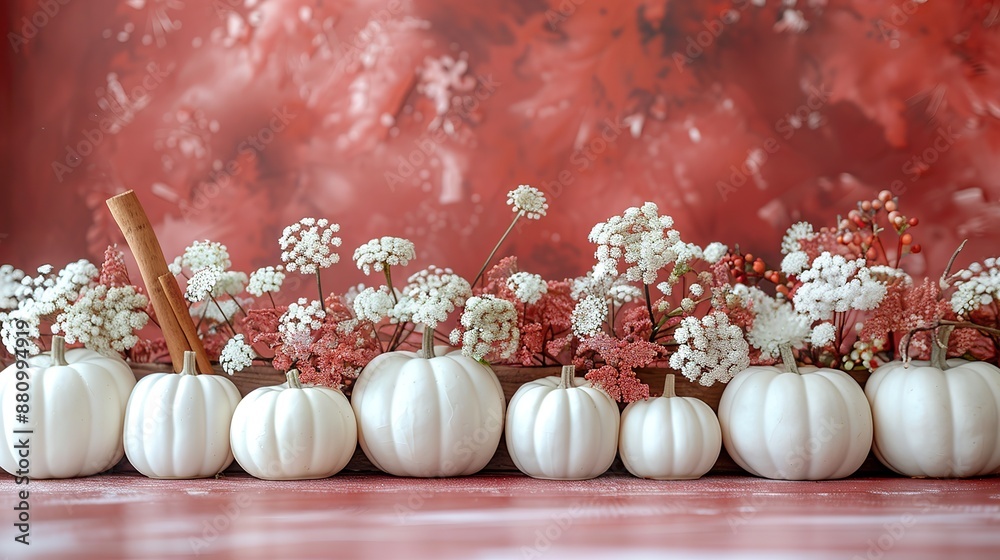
point(374, 516)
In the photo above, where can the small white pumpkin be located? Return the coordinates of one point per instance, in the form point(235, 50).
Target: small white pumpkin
point(428, 417)
point(806, 423)
point(562, 428)
point(75, 406)
point(669, 437)
point(937, 419)
point(293, 432)
point(177, 425)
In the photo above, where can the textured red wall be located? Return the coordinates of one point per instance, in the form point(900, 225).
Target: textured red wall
point(604, 104)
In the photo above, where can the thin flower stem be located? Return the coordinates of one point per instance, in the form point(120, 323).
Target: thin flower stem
point(223, 313)
point(388, 282)
point(270, 297)
point(649, 309)
point(495, 249)
point(943, 282)
point(237, 302)
point(319, 286)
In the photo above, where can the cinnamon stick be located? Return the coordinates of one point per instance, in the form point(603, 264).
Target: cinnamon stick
point(132, 220)
point(173, 293)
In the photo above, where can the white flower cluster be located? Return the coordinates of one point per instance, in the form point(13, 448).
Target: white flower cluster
point(267, 279)
point(104, 319)
point(201, 254)
point(11, 289)
point(977, 285)
point(488, 321)
point(835, 284)
point(203, 283)
point(373, 305)
point(237, 355)
point(794, 263)
point(588, 316)
point(795, 233)
point(527, 287)
point(301, 318)
point(527, 201)
point(644, 239)
point(307, 245)
point(714, 252)
point(709, 350)
point(823, 334)
point(231, 282)
point(775, 323)
point(378, 254)
point(612, 287)
point(218, 311)
point(44, 296)
point(430, 296)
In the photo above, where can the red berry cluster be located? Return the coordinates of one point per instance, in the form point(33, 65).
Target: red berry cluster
point(857, 230)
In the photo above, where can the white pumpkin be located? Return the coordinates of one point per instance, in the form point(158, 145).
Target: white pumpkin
point(806, 424)
point(75, 406)
point(937, 419)
point(562, 428)
point(428, 417)
point(293, 432)
point(669, 437)
point(177, 425)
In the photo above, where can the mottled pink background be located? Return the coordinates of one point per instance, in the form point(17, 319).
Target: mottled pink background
point(682, 92)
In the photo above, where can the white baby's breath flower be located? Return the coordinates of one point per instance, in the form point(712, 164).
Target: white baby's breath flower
point(301, 318)
point(490, 328)
point(796, 233)
point(978, 285)
point(608, 286)
point(833, 284)
point(527, 201)
point(386, 251)
point(267, 279)
point(431, 295)
point(237, 355)
point(202, 254)
point(11, 289)
point(588, 316)
point(23, 325)
point(709, 349)
point(643, 239)
point(527, 287)
point(230, 283)
point(307, 245)
point(823, 334)
point(697, 290)
point(714, 252)
point(775, 323)
point(794, 263)
point(104, 319)
point(202, 283)
point(373, 305)
point(624, 293)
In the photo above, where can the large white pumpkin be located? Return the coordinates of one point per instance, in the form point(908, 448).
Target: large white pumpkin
point(428, 417)
point(813, 424)
point(937, 419)
point(74, 404)
point(293, 432)
point(669, 437)
point(177, 424)
point(562, 428)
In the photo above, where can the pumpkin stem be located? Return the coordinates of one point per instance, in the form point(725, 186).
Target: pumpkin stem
point(788, 358)
point(428, 342)
point(939, 347)
point(566, 377)
point(292, 376)
point(59, 351)
point(190, 364)
point(668, 386)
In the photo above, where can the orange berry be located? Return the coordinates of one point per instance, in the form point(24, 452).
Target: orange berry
point(758, 266)
point(885, 196)
point(870, 253)
point(748, 257)
point(866, 205)
point(877, 204)
point(890, 205)
point(913, 222)
point(893, 214)
point(906, 239)
point(738, 262)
